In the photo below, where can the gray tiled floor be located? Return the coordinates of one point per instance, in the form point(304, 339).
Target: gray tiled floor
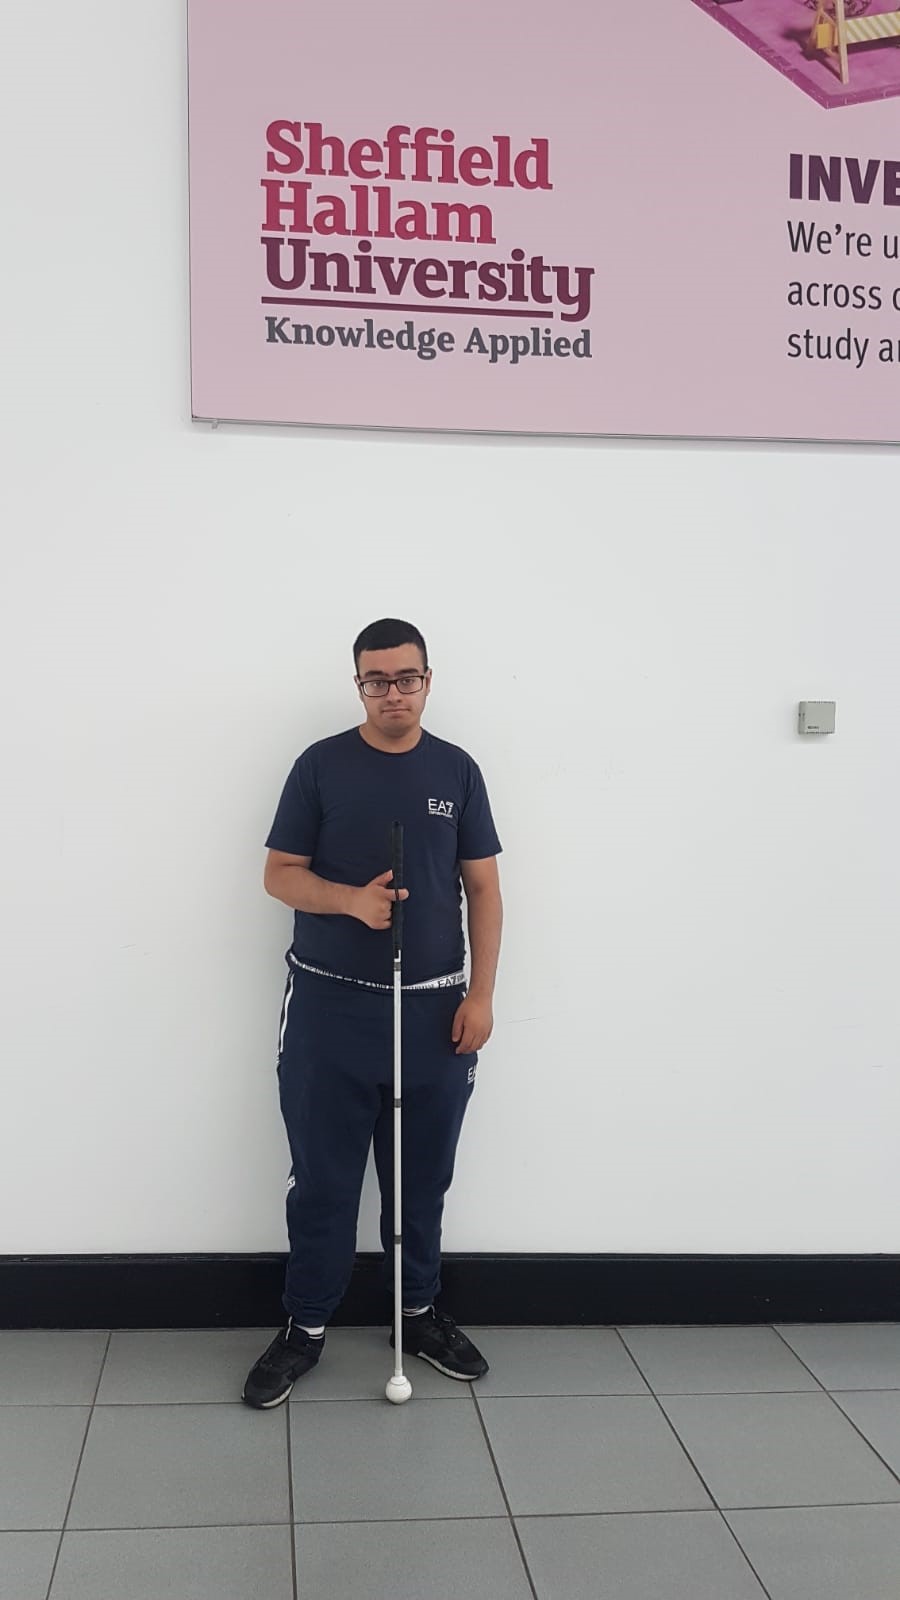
point(590, 1464)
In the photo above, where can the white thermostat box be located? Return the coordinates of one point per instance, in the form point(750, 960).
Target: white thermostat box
point(816, 716)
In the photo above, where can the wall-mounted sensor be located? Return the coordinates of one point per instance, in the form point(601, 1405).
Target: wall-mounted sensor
point(816, 716)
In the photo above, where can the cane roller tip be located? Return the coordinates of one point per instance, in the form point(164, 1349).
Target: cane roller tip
point(398, 1390)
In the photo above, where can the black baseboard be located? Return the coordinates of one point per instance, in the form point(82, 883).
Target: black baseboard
point(232, 1291)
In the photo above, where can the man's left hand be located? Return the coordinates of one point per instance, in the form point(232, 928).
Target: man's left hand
point(472, 1025)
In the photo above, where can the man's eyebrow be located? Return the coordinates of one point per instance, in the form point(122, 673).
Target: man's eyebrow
point(405, 672)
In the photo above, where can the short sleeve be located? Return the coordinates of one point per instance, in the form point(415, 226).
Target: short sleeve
point(295, 829)
point(477, 835)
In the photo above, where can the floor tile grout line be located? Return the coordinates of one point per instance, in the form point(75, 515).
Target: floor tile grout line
point(512, 1521)
point(671, 1426)
point(55, 1560)
point(804, 1364)
point(632, 1358)
point(62, 1531)
point(664, 1394)
point(718, 1509)
point(526, 1394)
point(620, 1330)
point(290, 1471)
point(500, 1516)
point(688, 1511)
point(867, 1442)
point(722, 1518)
point(832, 1397)
point(224, 1400)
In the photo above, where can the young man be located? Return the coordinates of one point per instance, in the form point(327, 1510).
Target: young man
point(329, 860)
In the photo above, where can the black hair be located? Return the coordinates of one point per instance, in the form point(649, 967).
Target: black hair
point(387, 634)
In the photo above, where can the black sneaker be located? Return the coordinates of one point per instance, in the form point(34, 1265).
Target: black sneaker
point(435, 1337)
point(291, 1353)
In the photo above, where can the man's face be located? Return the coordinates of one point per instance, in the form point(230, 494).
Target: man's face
point(395, 712)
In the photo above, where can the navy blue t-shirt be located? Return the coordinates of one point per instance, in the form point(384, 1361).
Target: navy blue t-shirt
point(337, 806)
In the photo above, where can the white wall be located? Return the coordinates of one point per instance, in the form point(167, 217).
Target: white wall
point(696, 1043)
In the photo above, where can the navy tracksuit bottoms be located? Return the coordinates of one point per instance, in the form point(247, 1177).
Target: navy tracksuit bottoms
point(336, 1087)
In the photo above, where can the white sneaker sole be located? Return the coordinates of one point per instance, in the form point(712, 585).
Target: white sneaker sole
point(461, 1377)
point(267, 1405)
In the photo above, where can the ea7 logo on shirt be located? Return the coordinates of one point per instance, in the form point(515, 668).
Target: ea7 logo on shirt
point(440, 808)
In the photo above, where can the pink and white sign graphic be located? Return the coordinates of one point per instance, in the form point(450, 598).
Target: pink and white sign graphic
point(577, 218)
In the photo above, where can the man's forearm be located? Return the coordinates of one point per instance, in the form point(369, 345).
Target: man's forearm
point(485, 909)
point(302, 890)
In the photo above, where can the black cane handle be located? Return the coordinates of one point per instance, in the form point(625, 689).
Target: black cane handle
point(397, 883)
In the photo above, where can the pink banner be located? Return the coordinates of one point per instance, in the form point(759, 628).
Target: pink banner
point(660, 217)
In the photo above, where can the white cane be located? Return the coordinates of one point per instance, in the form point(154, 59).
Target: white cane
point(398, 1387)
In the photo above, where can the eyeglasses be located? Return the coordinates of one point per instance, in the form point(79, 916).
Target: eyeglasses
point(377, 688)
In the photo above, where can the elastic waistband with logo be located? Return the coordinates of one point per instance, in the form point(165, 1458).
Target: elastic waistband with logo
point(451, 980)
